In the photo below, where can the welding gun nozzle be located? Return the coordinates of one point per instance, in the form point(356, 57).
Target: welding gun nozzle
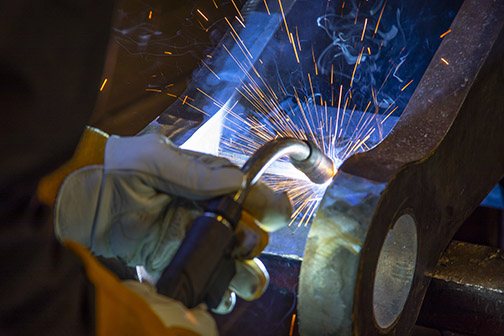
point(317, 166)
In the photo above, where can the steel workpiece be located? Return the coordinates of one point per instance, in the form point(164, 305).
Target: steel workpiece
point(390, 212)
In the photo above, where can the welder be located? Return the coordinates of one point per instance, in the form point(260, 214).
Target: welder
point(128, 198)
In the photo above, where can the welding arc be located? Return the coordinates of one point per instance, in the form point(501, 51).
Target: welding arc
point(304, 155)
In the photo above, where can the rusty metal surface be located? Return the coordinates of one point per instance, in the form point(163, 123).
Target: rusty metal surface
point(466, 293)
point(440, 161)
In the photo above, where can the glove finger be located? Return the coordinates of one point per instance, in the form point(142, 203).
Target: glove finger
point(170, 169)
point(250, 238)
point(273, 210)
point(227, 303)
point(251, 279)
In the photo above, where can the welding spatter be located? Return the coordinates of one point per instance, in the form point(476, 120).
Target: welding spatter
point(211, 236)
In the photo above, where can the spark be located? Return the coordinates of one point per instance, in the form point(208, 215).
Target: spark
point(238, 36)
point(353, 74)
point(210, 69)
point(297, 36)
point(361, 142)
point(197, 109)
point(339, 108)
point(168, 53)
point(379, 18)
point(350, 118)
point(309, 212)
point(203, 15)
point(267, 9)
point(343, 115)
point(150, 15)
point(388, 115)
point(103, 84)
point(153, 90)
point(285, 21)
point(236, 7)
point(312, 92)
point(369, 50)
point(171, 95)
point(364, 30)
point(201, 24)
point(295, 51)
point(355, 67)
point(314, 62)
point(369, 103)
point(444, 61)
point(215, 101)
point(237, 19)
point(445, 33)
point(215, 4)
point(405, 86)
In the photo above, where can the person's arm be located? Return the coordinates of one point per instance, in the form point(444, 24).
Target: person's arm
point(138, 205)
point(62, 289)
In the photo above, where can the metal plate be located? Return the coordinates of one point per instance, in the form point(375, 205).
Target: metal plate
point(438, 164)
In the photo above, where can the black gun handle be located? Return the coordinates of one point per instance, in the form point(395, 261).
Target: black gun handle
point(202, 268)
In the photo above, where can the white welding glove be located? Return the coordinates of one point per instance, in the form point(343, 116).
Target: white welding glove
point(138, 205)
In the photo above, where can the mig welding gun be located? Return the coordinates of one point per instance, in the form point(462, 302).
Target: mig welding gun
point(211, 237)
